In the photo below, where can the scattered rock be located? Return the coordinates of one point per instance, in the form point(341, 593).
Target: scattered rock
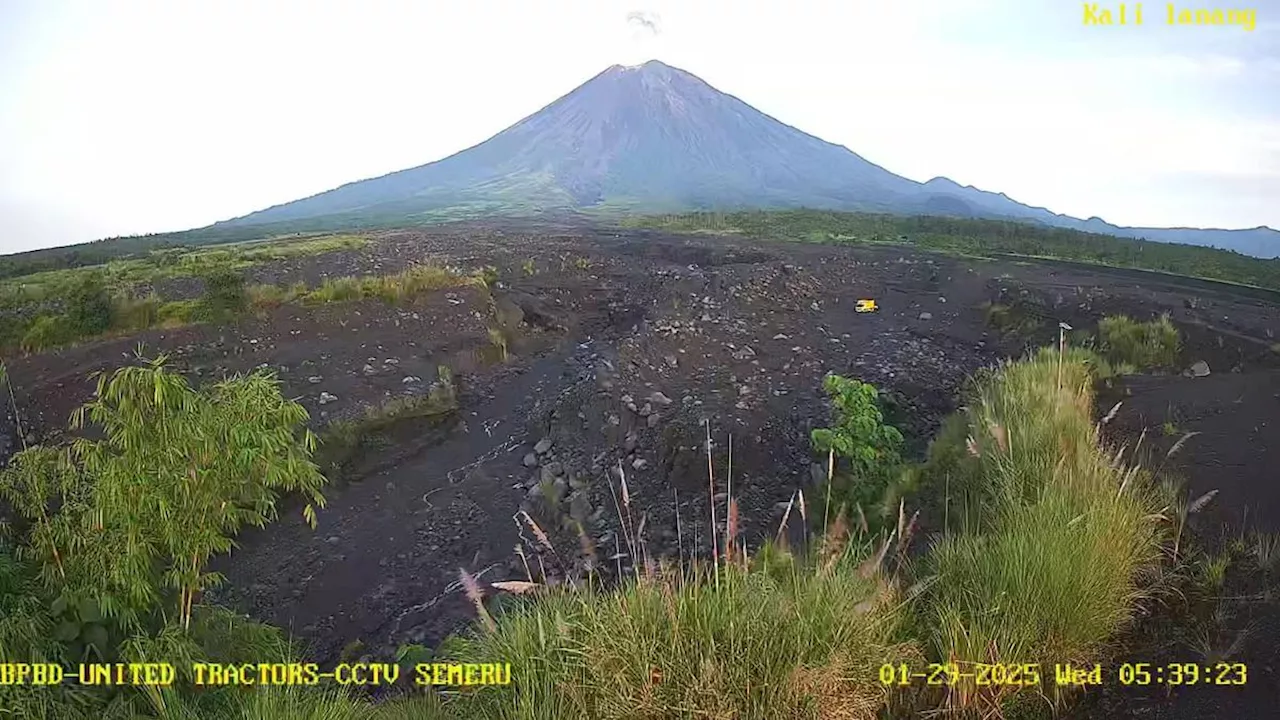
point(926, 316)
point(1199, 368)
point(544, 445)
point(660, 399)
point(333, 540)
point(326, 398)
point(411, 379)
point(369, 369)
point(654, 419)
point(579, 507)
point(546, 475)
point(639, 463)
point(530, 460)
point(556, 469)
point(629, 444)
point(315, 379)
point(672, 360)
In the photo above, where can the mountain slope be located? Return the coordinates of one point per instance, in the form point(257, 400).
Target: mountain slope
point(654, 137)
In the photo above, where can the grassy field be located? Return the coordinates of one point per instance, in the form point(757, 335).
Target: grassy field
point(978, 238)
point(91, 306)
point(123, 276)
point(1051, 543)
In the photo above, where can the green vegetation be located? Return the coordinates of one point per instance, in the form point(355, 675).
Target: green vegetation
point(980, 238)
point(53, 308)
point(225, 298)
point(782, 637)
point(1146, 345)
point(343, 441)
point(118, 530)
point(1050, 529)
point(391, 288)
point(864, 453)
point(136, 256)
point(1049, 546)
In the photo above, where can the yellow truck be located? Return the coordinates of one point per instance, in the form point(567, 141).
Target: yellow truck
point(865, 306)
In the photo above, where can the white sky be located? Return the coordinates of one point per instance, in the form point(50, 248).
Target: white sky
point(130, 116)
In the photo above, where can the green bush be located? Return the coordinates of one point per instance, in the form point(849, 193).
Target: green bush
point(48, 331)
point(224, 295)
point(178, 312)
point(869, 451)
point(89, 307)
point(1143, 345)
point(133, 313)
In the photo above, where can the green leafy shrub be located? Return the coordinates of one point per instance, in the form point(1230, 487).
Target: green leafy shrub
point(152, 528)
point(48, 331)
point(869, 450)
point(1143, 345)
point(89, 307)
point(224, 295)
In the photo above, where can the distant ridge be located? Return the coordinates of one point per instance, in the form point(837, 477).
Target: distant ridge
point(656, 138)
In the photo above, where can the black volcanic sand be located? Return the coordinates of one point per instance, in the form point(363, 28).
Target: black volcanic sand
point(631, 340)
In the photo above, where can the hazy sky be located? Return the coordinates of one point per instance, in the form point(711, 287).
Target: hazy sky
point(129, 116)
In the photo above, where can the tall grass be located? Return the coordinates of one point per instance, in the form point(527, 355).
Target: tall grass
point(792, 639)
point(391, 288)
point(1144, 345)
point(1054, 539)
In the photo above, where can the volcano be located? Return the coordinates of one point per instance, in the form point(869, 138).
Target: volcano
point(653, 138)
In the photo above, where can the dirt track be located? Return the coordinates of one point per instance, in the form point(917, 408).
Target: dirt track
point(621, 360)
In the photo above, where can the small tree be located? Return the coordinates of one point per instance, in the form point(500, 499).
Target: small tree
point(89, 307)
point(175, 474)
point(224, 294)
point(869, 450)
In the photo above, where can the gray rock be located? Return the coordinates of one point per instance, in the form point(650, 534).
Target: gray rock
point(315, 379)
point(369, 369)
point(333, 540)
point(630, 442)
point(659, 399)
point(546, 475)
point(530, 460)
point(556, 469)
point(535, 493)
point(644, 411)
point(1199, 368)
point(926, 316)
point(411, 379)
point(560, 487)
point(640, 463)
point(544, 445)
point(580, 507)
point(326, 398)
point(672, 360)
point(654, 419)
